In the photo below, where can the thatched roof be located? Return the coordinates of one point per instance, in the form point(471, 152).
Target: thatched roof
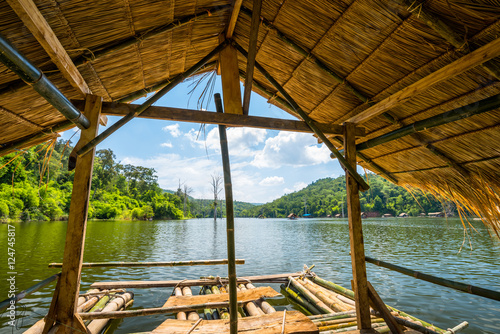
point(335, 58)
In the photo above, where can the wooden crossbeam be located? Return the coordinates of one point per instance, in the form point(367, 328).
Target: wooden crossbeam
point(234, 17)
point(209, 117)
point(465, 63)
point(41, 30)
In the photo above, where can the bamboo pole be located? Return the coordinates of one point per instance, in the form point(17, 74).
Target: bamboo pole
point(116, 303)
point(304, 303)
point(175, 81)
point(347, 324)
point(472, 289)
point(275, 278)
point(362, 183)
point(336, 315)
point(152, 264)
point(350, 294)
point(327, 296)
point(311, 297)
point(233, 309)
point(4, 304)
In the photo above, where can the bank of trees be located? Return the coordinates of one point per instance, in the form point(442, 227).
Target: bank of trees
point(327, 197)
point(35, 185)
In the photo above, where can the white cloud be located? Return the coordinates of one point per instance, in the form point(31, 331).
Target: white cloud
point(291, 149)
point(272, 181)
point(296, 187)
point(242, 142)
point(167, 144)
point(173, 130)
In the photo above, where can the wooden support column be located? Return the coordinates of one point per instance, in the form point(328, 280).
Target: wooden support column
point(360, 286)
point(77, 222)
point(230, 76)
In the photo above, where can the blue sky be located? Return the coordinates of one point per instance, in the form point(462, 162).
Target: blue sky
point(265, 164)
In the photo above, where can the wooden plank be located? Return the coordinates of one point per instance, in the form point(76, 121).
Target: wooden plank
point(379, 305)
point(356, 234)
point(230, 78)
point(234, 17)
point(252, 52)
point(243, 297)
point(152, 264)
point(198, 282)
point(210, 117)
point(77, 223)
point(295, 322)
point(465, 63)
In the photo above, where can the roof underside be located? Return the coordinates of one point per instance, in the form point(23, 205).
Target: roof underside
point(375, 48)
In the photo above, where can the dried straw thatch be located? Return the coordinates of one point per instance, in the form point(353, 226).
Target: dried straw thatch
point(335, 58)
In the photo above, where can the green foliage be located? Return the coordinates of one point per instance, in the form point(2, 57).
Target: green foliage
point(326, 197)
point(35, 185)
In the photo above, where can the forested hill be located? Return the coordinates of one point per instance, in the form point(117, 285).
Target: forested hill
point(35, 185)
point(327, 196)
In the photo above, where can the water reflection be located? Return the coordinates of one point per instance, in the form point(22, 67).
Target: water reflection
point(274, 246)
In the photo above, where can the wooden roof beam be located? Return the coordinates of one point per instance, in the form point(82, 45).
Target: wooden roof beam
point(465, 63)
point(210, 117)
point(252, 53)
point(41, 30)
point(234, 17)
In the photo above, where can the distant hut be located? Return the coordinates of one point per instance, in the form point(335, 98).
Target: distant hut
point(338, 215)
point(403, 215)
point(363, 215)
point(292, 216)
point(387, 215)
point(436, 214)
point(422, 214)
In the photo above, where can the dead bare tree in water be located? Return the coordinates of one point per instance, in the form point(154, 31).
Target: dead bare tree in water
point(216, 184)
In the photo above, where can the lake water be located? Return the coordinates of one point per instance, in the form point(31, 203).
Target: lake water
point(270, 246)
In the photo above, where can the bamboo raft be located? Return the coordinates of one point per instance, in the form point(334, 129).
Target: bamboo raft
point(315, 305)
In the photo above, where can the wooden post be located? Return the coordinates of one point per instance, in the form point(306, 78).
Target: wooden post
point(356, 234)
point(77, 223)
point(230, 76)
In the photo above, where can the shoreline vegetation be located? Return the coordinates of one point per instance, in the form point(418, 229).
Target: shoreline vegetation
point(35, 185)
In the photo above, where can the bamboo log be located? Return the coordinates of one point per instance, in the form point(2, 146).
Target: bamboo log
point(346, 324)
point(233, 324)
point(346, 302)
point(327, 297)
point(309, 296)
point(475, 290)
point(378, 327)
point(152, 264)
point(116, 303)
point(180, 315)
point(336, 315)
point(261, 303)
point(349, 294)
point(88, 304)
point(209, 313)
point(293, 296)
point(250, 307)
point(193, 315)
point(241, 313)
point(223, 311)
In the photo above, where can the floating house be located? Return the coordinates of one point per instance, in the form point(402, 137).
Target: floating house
point(407, 89)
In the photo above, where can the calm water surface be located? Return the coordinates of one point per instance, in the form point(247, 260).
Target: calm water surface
point(269, 246)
